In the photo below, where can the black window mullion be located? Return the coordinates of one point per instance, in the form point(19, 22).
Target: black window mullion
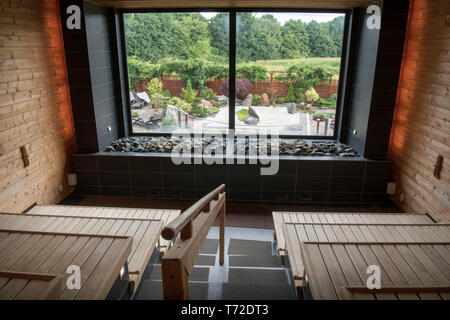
point(232, 70)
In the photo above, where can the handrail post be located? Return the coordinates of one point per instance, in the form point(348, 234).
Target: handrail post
point(222, 233)
point(186, 232)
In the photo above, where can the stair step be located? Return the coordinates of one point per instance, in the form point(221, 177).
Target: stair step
point(256, 276)
point(255, 261)
point(233, 291)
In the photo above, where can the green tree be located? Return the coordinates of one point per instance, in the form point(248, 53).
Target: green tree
point(320, 42)
point(295, 40)
point(148, 35)
point(219, 31)
point(192, 37)
point(257, 39)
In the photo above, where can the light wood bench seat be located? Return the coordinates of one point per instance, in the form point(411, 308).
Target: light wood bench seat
point(165, 215)
point(29, 286)
point(408, 271)
point(279, 218)
point(296, 233)
point(144, 233)
point(100, 258)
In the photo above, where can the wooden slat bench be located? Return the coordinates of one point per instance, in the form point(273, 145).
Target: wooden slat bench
point(166, 215)
point(100, 258)
point(338, 232)
point(410, 271)
point(29, 286)
point(279, 218)
point(144, 233)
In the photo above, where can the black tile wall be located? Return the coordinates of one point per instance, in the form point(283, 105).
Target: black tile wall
point(372, 77)
point(297, 181)
point(91, 55)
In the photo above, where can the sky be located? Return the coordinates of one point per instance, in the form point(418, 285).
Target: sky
point(285, 16)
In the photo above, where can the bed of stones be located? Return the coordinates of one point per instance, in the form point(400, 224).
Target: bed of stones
point(297, 147)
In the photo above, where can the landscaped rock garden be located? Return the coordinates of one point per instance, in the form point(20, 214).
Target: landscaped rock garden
point(297, 147)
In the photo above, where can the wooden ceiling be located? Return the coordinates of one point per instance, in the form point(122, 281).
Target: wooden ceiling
point(313, 4)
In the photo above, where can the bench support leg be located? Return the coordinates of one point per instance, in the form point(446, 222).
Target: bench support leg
point(175, 280)
point(222, 234)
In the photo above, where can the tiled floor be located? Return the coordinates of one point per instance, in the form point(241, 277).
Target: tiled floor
point(251, 270)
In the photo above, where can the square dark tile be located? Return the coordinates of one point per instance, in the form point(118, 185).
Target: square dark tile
point(112, 163)
point(346, 184)
point(313, 184)
point(314, 168)
point(113, 178)
point(277, 182)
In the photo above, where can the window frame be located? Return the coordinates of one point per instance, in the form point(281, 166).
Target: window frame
point(343, 68)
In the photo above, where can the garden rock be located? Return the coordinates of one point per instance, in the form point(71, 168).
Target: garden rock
point(221, 98)
point(265, 100)
point(251, 120)
point(252, 112)
point(248, 100)
point(291, 108)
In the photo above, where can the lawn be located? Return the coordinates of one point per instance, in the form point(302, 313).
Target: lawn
point(281, 65)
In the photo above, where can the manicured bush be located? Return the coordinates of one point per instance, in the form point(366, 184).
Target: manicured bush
point(215, 104)
point(169, 122)
point(180, 103)
point(207, 93)
point(242, 114)
point(154, 86)
point(243, 87)
point(188, 93)
point(156, 99)
point(311, 95)
point(256, 99)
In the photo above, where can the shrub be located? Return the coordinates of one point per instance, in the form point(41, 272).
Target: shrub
point(311, 95)
point(215, 104)
point(154, 86)
point(156, 100)
point(255, 72)
point(242, 114)
point(301, 78)
point(180, 103)
point(243, 87)
point(188, 93)
point(319, 115)
point(166, 93)
point(290, 97)
point(196, 102)
point(169, 122)
point(207, 93)
point(256, 99)
point(134, 114)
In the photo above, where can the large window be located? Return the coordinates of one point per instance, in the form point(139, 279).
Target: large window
point(285, 67)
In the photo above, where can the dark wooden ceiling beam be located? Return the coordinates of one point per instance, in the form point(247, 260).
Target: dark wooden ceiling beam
point(318, 4)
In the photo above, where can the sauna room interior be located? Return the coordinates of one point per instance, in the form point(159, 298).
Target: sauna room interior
point(244, 150)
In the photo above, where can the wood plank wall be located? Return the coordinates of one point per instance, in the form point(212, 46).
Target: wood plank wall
point(421, 122)
point(34, 105)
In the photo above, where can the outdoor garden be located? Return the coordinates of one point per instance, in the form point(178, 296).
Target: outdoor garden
point(287, 74)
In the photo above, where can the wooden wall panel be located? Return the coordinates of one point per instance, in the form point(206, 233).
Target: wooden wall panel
point(421, 124)
point(34, 105)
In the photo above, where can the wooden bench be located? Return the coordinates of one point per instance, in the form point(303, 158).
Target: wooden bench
point(166, 215)
point(409, 271)
point(279, 218)
point(29, 286)
point(338, 232)
point(99, 257)
point(144, 233)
